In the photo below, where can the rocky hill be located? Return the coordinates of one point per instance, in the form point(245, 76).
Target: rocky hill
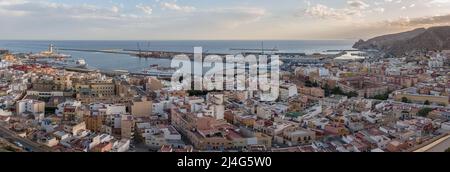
point(434, 38)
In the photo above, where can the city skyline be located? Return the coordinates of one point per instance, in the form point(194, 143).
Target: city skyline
point(218, 20)
point(224, 76)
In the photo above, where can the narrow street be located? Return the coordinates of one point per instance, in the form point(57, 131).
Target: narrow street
point(28, 144)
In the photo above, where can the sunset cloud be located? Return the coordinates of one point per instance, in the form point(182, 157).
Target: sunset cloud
point(218, 19)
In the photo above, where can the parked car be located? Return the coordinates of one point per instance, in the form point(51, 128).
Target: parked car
point(28, 149)
point(18, 144)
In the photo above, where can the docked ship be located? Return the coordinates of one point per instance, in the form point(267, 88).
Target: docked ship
point(64, 63)
point(50, 53)
point(158, 71)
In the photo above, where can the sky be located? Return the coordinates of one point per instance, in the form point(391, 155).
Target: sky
point(215, 19)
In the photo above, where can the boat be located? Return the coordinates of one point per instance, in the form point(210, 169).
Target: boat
point(64, 63)
point(156, 70)
point(81, 62)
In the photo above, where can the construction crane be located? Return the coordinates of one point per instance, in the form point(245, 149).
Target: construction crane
point(139, 48)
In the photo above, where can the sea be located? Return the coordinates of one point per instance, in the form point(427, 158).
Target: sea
point(110, 62)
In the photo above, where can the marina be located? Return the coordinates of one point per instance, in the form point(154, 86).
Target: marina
point(160, 60)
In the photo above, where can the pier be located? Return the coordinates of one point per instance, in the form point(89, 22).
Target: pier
point(171, 54)
point(141, 53)
point(253, 49)
point(164, 54)
point(96, 51)
point(342, 51)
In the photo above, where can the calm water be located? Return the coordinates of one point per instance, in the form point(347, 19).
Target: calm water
point(125, 62)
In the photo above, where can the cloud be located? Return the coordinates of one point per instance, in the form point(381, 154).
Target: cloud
point(380, 10)
point(115, 9)
point(49, 20)
point(420, 21)
point(5, 6)
point(234, 17)
point(164, 19)
point(372, 29)
point(46, 20)
point(32, 9)
point(440, 2)
point(353, 8)
point(358, 4)
point(322, 11)
point(11, 2)
point(176, 7)
point(146, 9)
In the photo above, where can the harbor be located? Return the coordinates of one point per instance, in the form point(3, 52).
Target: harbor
point(95, 52)
point(244, 52)
point(157, 60)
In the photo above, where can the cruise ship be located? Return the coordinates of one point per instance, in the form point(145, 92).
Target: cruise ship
point(156, 70)
point(65, 63)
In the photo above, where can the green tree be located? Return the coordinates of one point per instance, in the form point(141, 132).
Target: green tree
point(326, 89)
point(424, 112)
point(308, 83)
point(447, 150)
point(337, 90)
point(352, 94)
point(326, 86)
point(405, 100)
point(427, 103)
point(381, 96)
point(11, 149)
point(197, 93)
point(315, 84)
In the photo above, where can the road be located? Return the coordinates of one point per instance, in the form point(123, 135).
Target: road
point(13, 137)
point(418, 105)
point(439, 145)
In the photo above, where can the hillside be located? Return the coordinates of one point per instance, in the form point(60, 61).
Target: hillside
point(434, 38)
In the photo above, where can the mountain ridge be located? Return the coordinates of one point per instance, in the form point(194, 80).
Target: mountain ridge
point(433, 38)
